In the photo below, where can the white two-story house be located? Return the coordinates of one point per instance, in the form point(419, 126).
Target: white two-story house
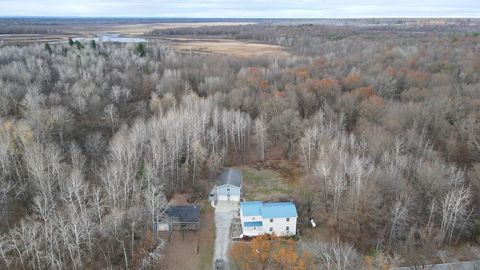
point(261, 217)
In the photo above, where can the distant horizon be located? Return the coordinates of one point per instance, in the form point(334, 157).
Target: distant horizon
point(265, 9)
point(230, 18)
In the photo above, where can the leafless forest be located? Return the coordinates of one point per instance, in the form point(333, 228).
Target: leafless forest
point(383, 120)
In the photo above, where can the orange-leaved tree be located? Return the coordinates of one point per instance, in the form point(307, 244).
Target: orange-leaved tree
point(288, 258)
point(351, 82)
point(268, 252)
point(254, 255)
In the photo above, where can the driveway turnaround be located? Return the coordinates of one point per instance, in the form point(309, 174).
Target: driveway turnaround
point(224, 213)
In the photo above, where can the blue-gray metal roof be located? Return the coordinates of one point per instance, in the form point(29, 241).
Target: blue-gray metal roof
point(230, 177)
point(279, 210)
point(250, 224)
point(269, 210)
point(251, 208)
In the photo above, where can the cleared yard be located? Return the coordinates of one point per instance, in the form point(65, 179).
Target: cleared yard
point(269, 181)
point(181, 251)
point(277, 180)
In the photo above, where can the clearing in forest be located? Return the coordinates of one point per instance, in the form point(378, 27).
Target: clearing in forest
point(270, 181)
point(228, 47)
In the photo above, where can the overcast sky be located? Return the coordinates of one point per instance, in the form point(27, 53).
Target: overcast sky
point(242, 8)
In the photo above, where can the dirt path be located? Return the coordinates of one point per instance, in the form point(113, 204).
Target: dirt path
point(223, 219)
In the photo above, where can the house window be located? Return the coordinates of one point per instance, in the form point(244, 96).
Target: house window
point(271, 220)
point(271, 229)
point(288, 228)
point(288, 219)
point(228, 189)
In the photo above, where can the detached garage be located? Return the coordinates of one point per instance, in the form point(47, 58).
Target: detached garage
point(229, 186)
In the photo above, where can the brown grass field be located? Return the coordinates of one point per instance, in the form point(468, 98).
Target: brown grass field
point(216, 46)
point(142, 29)
point(228, 47)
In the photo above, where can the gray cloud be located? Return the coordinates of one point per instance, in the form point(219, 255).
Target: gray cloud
point(242, 9)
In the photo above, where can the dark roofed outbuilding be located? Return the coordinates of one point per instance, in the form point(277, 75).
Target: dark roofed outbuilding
point(180, 217)
point(230, 177)
point(184, 214)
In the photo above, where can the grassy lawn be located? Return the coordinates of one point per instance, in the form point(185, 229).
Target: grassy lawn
point(208, 241)
point(319, 234)
point(271, 181)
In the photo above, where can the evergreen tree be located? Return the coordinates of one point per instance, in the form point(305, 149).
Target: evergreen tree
point(48, 48)
point(79, 45)
point(141, 49)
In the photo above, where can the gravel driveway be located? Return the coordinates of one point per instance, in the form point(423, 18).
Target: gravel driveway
point(224, 213)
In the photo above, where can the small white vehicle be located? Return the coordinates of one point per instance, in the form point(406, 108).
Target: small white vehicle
point(313, 223)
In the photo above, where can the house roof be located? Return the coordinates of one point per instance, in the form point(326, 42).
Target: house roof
point(253, 224)
point(230, 177)
point(279, 210)
point(184, 213)
point(251, 208)
point(268, 210)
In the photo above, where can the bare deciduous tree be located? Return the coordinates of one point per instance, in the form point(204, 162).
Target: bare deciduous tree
point(261, 136)
point(335, 255)
point(455, 213)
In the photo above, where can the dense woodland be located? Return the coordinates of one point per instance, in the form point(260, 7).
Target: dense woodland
point(95, 138)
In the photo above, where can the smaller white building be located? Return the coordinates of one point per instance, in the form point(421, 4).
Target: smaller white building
point(228, 187)
point(258, 218)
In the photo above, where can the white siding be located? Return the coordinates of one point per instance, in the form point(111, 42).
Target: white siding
point(253, 231)
point(250, 231)
point(226, 198)
point(250, 218)
point(228, 192)
point(279, 226)
point(162, 227)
